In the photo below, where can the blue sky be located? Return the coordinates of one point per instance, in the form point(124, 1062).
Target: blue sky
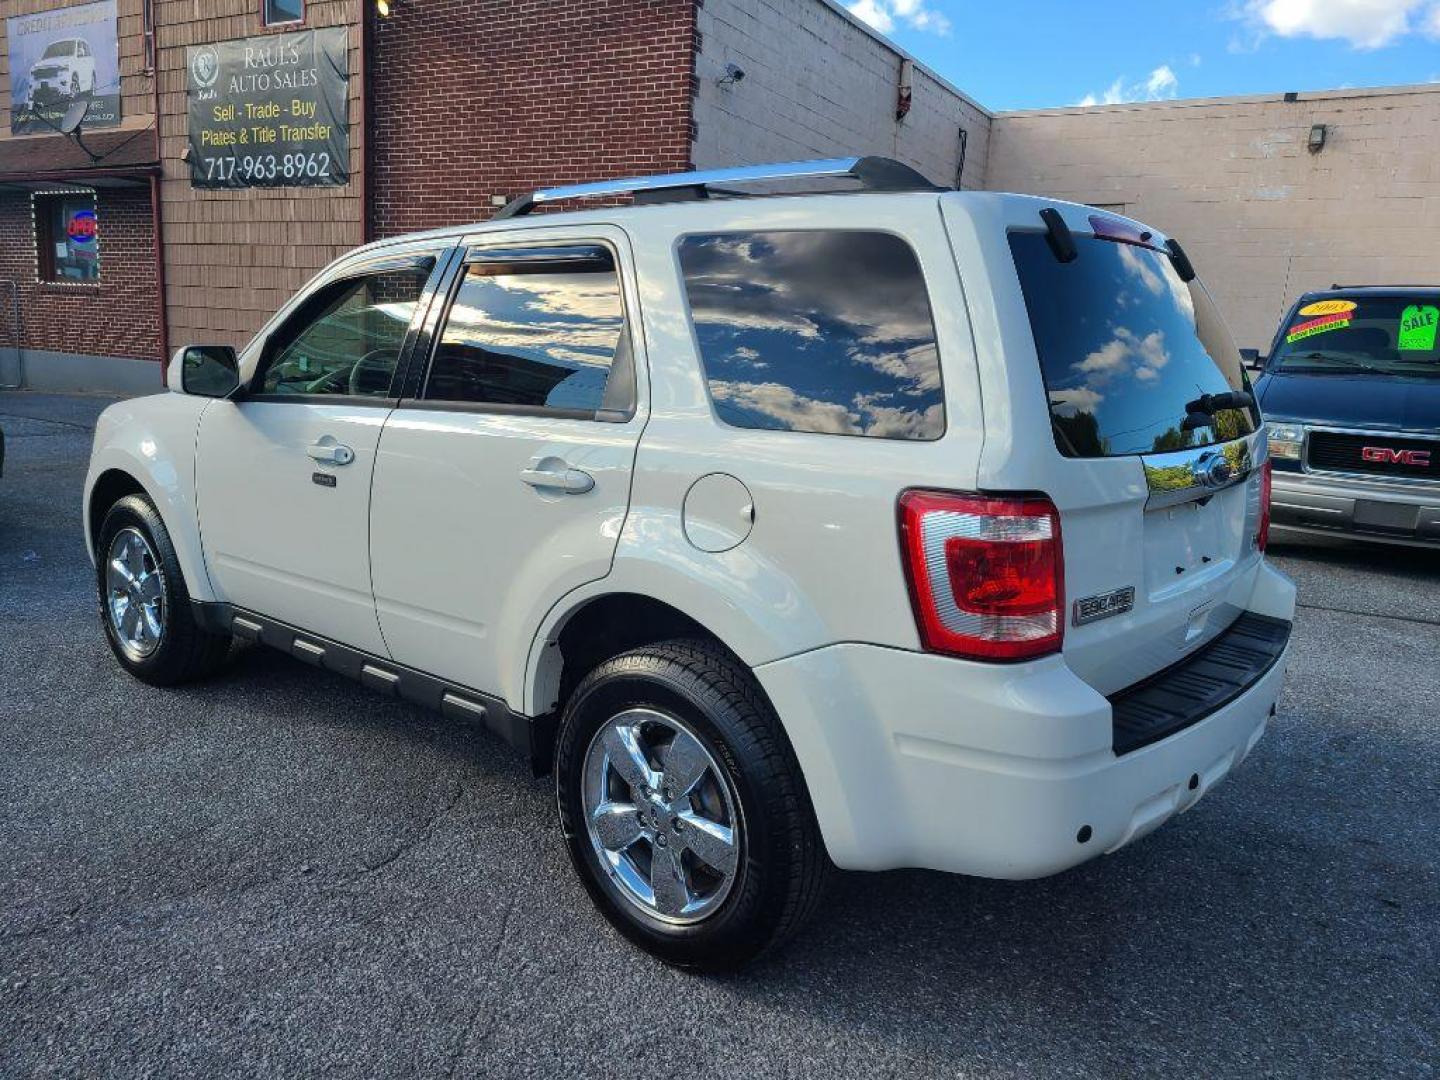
point(1036, 53)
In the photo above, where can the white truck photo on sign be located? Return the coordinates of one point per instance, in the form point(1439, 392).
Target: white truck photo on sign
point(60, 57)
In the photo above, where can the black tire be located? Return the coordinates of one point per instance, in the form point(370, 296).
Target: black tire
point(185, 651)
point(783, 865)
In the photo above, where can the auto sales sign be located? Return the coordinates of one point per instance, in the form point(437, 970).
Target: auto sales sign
point(271, 111)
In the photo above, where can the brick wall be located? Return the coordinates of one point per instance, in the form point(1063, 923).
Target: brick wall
point(1262, 218)
point(117, 316)
point(233, 257)
point(818, 83)
point(481, 98)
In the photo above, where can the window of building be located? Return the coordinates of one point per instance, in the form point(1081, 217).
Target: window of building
point(279, 12)
point(347, 338)
point(67, 237)
point(825, 331)
point(538, 330)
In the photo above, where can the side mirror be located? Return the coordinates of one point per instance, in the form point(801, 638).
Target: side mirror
point(1252, 360)
point(206, 370)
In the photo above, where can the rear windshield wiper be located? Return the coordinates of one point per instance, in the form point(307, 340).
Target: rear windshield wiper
point(1201, 412)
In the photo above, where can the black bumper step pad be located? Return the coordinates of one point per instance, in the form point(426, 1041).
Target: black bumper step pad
point(1201, 684)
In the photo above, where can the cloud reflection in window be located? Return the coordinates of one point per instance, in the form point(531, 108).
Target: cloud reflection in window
point(820, 331)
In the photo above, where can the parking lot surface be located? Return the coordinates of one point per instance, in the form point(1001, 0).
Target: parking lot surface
point(278, 873)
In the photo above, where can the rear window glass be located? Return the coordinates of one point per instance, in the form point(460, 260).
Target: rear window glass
point(1127, 349)
point(1388, 335)
point(821, 331)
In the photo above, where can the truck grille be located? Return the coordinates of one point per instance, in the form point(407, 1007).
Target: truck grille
point(1374, 455)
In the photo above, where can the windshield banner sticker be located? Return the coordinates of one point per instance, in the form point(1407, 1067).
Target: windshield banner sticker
point(1335, 321)
point(1327, 307)
point(1417, 328)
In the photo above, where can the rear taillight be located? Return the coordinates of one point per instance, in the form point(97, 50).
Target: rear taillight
point(986, 574)
point(1262, 535)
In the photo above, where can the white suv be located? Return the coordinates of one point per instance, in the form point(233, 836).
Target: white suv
point(65, 70)
point(892, 528)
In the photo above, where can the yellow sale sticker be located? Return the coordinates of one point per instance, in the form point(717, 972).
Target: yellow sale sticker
point(1328, 307)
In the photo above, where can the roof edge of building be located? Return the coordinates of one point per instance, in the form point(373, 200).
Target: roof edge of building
point(860, 24)
point(1302, 97)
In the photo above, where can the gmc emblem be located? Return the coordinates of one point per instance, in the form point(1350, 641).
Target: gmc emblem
point(1386, 456)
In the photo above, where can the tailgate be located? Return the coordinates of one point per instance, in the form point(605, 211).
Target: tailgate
point(1111, 384)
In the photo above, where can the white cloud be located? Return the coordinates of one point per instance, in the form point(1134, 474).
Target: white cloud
point(792, 410)
point(885, 15)
point(1160, 85)
point(1365, 24)
point(1077, 399)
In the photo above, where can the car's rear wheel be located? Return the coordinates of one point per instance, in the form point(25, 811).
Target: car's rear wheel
point(684, 808)
point(144, 604)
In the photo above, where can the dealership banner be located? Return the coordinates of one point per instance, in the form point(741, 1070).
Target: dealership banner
point(59, 57)
point(270, 111)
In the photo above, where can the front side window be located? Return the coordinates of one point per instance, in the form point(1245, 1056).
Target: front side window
point(347, 338)
point(537, 333)
point(1376, 335)
point(817, 331)
point(274, 12)
point(1127, 349)
point(67, 238)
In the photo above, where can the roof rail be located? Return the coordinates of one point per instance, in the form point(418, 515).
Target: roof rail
point(1390, 285)
point(872, 173)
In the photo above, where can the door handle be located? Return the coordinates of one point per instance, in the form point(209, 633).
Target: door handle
point(558, 477)
point(331, 453)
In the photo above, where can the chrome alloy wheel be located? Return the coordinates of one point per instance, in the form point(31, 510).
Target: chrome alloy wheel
point(134, 593)
point(662, 816)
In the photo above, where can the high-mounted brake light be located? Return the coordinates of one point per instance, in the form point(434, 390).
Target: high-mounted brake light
point(986, 574)
point(1262, 534)
point(1122, 232)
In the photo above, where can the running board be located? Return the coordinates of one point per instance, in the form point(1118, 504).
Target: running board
point(530, 735)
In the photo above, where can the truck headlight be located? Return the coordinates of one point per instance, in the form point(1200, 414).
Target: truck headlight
point(1285, 440)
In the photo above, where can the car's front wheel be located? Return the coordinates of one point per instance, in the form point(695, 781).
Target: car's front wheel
point(684, 808)
point(144, 604)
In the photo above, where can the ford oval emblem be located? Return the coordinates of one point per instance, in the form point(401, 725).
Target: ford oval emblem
point(1213, 471)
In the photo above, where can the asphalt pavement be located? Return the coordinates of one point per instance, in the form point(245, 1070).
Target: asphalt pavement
point(277, 873)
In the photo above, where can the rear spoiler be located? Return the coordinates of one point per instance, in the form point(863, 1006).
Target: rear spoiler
point(1062, 240)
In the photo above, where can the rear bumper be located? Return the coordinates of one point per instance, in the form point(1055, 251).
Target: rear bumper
point(1002, 771)
point(1356, 506)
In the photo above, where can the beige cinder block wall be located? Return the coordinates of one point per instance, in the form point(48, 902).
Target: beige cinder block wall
point(820, 83)
point(1262, 217)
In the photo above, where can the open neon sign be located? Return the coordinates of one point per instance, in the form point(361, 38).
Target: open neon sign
point(81, 228)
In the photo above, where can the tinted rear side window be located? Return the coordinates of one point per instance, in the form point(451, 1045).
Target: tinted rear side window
point(530, 335)
point(815, 331)
point(1125, 347)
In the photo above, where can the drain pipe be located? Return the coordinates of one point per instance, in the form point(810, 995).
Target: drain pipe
point(157, 222)
point(157, 226)
point(19, 382)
